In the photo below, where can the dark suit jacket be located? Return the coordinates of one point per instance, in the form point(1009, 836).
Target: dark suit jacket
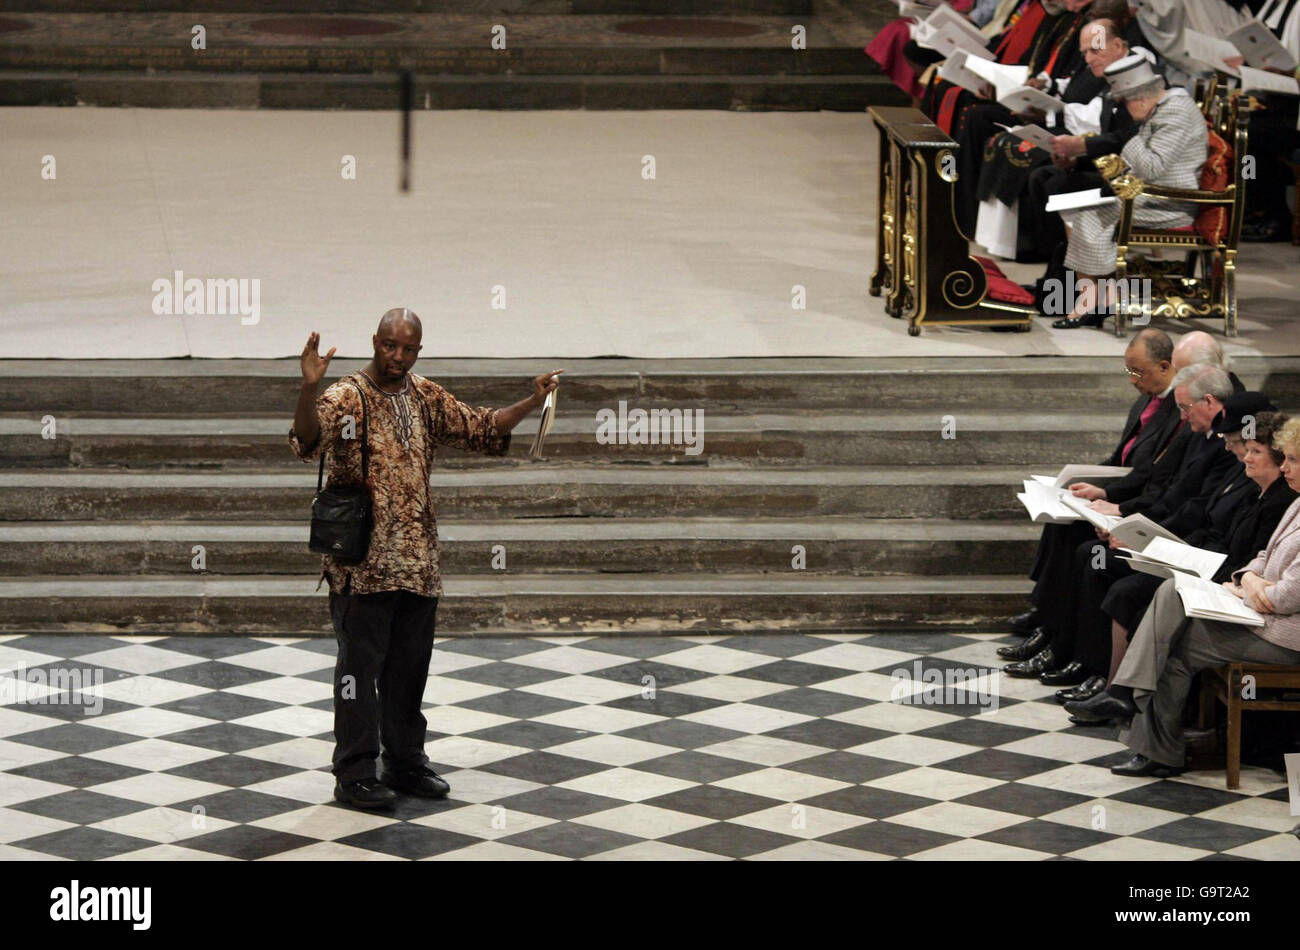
point(1203, 464)
point(1117, 127)
point(1152, 440)
point(1210, 514)
point(1162, 473)
point(1252, 526)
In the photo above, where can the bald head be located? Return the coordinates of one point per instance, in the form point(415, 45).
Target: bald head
point(400, 316)
point(1199, 347)
point(397, 345)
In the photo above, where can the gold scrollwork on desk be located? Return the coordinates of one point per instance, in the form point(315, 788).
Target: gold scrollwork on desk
point(909, 234)
point(961, 290)
point(887, 225)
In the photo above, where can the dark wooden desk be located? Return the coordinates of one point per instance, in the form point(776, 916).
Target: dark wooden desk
point(923, 262)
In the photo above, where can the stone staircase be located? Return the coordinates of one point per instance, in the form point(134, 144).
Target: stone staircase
point(346, 54)
point(846, 460)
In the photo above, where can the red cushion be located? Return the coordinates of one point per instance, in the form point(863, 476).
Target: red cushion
point(1001, 287)
point(1212, 222)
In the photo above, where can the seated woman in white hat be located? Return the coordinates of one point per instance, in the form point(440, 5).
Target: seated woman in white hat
point(1168, 149)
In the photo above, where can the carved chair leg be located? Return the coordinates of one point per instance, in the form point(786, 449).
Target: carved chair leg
point(1121, 275)
point(1230, 292)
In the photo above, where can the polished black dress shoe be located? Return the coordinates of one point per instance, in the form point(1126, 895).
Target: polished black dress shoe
point(1036, 643)
point(1072, 674)
point(1141, 765)
point(1085, 690)
point(424, 782)
point(1036, 665)
point(1101, 708)
point(366, 793)
point(1026, 623)
point(1073, 323)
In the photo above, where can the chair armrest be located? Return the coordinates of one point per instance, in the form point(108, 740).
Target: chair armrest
point(1197, 195)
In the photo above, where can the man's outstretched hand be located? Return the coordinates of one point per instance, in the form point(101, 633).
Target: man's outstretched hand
point(313, 364)
point(510, 416)
point(546, 383)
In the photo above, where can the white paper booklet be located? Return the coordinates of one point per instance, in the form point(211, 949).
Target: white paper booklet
point(1097, 475)
point(1034, 134)
point(1211, 601)
point(1027, 98)
point(948, 41)
point(543, 425)
point(1138, 531)
point(941, 16)
point(1005, 79)
point(1210, 50)
point(1096, 518)
point(1078, 200)
point(1258, 80)
point(1044, 504)
point(1261, 48)
point(1162, 557)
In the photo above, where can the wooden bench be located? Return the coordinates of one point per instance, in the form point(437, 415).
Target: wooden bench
point(1225, 685)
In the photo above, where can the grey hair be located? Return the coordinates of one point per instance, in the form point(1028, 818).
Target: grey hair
point(1204, 379)
point(1151, 90)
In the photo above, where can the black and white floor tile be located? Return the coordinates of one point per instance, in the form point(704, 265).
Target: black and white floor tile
point(772, 747)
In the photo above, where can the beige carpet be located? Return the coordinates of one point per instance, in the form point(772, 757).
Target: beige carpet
point(551, 206)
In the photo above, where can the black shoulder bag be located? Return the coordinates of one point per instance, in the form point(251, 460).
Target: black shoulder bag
point(342, 517)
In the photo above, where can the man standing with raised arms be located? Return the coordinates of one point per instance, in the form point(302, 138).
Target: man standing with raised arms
point(383, 607)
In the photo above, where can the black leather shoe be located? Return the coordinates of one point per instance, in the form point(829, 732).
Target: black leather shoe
point(1085, 690)
point(1073, 323)
point(1036, 665)
point(424, 782)
point(1141, 765)
point(1025, 624)
point(366, 793)
point(1101, 708)
point(1072, 674)
point(1037, 641)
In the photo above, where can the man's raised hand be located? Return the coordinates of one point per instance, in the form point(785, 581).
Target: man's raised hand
point(313, 364)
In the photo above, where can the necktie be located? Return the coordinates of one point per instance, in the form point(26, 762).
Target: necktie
point(1150, 410)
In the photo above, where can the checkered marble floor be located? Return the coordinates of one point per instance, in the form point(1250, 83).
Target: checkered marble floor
point(606, 747)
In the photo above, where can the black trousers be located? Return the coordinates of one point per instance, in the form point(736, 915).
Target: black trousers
point(1053, 573)
point(385, 642)
point(1097, 570)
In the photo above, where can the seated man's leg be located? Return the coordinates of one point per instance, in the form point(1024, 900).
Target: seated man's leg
point(1157, 731)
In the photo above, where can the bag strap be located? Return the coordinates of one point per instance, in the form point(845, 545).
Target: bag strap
point(365, 444)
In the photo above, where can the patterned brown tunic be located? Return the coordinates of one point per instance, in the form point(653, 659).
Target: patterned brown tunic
point(404, 430)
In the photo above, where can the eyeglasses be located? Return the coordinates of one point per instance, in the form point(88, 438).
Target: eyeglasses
point(1134, 374)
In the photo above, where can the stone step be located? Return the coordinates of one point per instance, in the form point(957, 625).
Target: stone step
point(622, 604)
point(205, 387)
point(551, 546)
point(810, 437)
point(542, 490)
point(356, 91)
